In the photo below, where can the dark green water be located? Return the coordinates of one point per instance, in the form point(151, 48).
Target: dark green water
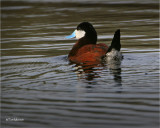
point(39, 85)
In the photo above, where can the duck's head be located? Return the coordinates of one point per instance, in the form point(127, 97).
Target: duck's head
point(85, 31)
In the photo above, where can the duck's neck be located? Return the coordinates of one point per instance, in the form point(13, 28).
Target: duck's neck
point(80, 43)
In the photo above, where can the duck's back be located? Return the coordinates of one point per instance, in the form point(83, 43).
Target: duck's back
point(90, 53)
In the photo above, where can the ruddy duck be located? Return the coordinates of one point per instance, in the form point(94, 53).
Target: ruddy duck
point(86, 48)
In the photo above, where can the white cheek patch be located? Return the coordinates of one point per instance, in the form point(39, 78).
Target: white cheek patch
point(80, 34)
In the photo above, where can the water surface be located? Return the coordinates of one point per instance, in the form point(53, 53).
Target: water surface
point(40, 86)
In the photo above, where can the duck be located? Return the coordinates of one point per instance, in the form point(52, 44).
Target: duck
point(87, 51)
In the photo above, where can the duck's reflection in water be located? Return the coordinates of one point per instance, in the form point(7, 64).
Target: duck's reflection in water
point(115, 69)
point(90, 71)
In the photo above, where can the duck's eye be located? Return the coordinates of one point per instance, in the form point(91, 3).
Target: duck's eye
point(79, 28)
point(80, 34)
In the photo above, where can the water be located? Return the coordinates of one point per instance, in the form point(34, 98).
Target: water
point(40, 88)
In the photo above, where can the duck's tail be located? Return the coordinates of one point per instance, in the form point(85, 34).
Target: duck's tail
point(115, 42)
point(113, 52)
